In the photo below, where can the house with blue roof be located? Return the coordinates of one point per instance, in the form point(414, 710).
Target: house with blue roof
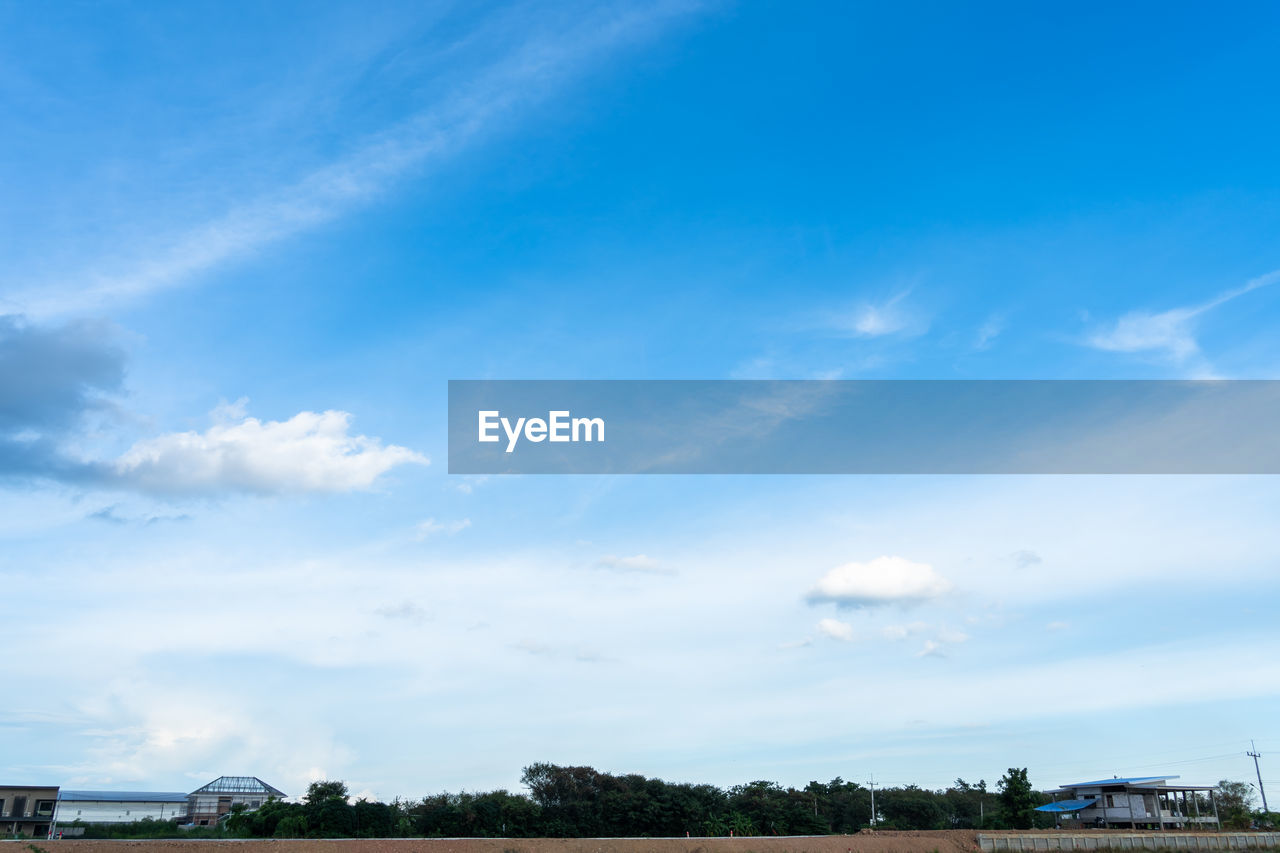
point(1134, 802)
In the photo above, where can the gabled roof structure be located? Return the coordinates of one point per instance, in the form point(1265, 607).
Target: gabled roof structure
point(240, 785)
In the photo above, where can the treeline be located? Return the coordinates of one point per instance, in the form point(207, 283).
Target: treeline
point(581, 802)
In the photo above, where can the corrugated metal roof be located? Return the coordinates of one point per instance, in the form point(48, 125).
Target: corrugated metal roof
point(1067, 806)
point(123, 796)
point(1121, 780)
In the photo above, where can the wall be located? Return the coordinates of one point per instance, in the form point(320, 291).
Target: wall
point(1100, 840)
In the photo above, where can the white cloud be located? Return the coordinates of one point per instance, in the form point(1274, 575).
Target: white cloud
point(635, 563)
point(877, 320)
point(836, 630)
point(884, 580)
point(310, 452)
point(931, 649)
point(1169, 333)
point(901, 632)
point(988, 332)
point(430, 527)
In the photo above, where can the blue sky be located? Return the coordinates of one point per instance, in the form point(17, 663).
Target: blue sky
point(244, 249)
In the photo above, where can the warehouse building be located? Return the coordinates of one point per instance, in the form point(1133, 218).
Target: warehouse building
point(119, 806)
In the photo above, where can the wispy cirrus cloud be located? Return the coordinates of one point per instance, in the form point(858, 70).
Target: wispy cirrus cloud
point(546, 61)
point(635, 563)
point(1169, 334)
point(880, 319)
point(430, 527)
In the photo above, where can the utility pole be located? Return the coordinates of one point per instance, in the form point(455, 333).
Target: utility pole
point(1253, 753)
point(872, 783)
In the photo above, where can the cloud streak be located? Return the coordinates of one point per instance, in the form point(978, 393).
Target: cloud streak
point(535, 71)
point(1172, 333)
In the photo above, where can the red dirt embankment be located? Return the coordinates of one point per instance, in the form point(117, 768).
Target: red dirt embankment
point(865, 842)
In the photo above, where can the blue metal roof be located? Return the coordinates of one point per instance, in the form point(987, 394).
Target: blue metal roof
point(1067, 806)
point(123, 796)
point(1121, 780)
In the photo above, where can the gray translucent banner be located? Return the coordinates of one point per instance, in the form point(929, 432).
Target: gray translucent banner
point(863, 427)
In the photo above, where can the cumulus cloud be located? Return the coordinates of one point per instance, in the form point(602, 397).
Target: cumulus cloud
point(882, 581)
point(53, 377)
point(836, 630)
point(309, 452)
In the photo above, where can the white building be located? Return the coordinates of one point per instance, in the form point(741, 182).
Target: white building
point(119, 806)
point(1137, 802)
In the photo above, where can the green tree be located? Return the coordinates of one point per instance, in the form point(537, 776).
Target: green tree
point(1234, 801)
point(328, 814)
point(1017, 798)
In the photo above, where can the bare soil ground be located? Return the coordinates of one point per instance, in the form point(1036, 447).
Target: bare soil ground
point(865, 842)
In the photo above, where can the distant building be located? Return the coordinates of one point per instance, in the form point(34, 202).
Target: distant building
point(206, 805)
point(27, 810)
point(1137, 802)
point(119, 806)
